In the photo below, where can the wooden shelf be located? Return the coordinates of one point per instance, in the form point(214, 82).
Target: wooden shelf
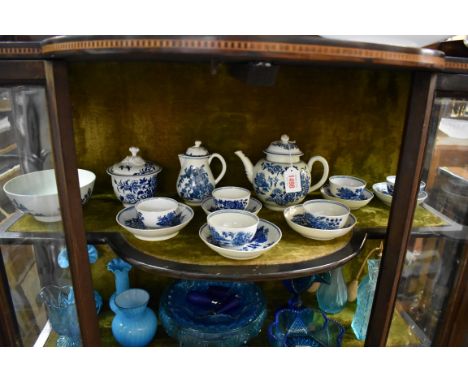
point(306, 49)
point(186, 256)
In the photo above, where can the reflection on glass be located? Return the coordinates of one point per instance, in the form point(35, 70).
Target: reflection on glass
point(25, 148)
point(432, 261)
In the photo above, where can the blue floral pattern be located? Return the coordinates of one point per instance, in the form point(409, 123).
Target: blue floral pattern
point(346, 193)
point(23, 209)
point(230, 239)
point(148, 168)
point(194, 184)
point(318, 222)
point(259, 240)
point(86, 197)
point(137, 222)
point(232, 204)
point(269, 183)
point(131, 191)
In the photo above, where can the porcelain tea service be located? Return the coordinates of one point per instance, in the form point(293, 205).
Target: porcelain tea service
point(157, 212)
point(236, 198)
point(320, 219)
point(239, 234)
point(129, 220)
point(134, 178)
point(391, 184)
point(195, 181)
point(381, 190)
point(348, 190)
point(282, 179)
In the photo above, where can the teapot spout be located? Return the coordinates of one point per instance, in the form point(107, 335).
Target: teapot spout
point(247, 165)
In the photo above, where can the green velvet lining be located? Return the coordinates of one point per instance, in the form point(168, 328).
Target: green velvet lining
point(187, 247)
point(352, 117)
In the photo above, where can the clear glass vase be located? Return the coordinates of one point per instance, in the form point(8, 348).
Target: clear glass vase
point(365, 297)
point(333, 297)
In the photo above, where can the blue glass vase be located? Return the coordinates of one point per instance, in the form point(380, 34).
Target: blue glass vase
point(61, 310)
point(333, 297)
point(134, 324)
point(365, 297)
point(120, 270)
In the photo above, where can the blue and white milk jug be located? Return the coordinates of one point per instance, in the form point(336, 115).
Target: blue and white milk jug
point(196, 182)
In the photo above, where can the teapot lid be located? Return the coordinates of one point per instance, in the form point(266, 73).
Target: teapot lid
point(134, 165)
point(283, 147)
point(197, 150)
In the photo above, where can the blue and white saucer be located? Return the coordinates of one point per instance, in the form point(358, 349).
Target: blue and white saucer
point(294, 215)
point(128, 219)
point(266, 237)
point(382, 193)
point(353, 204)
point(208, 205)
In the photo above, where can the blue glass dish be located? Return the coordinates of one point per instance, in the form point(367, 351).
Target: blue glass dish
point(205, 313)
point(304, 327)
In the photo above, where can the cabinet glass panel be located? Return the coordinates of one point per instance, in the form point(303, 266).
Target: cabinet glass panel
point(32, 243)
point(434, 262)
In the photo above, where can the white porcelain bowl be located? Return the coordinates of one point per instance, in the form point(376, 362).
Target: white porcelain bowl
point(366, 197)
point(314, 233)
point(391, 179)
point(128, 220)
point(232, 228)
point(35, 193)
point(382, 193)
point(236, 198)
point(157, 212)
point(347, 187)
point(326, 214)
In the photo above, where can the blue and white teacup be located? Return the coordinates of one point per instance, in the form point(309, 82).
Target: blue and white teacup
point(325, 214)
point(347, 187)
point(391, 184)
point(231, 198)
point(157, 212)
point(232, 228)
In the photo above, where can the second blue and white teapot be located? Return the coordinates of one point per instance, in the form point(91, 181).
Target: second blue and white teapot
point(282, 179)
point(195, 181)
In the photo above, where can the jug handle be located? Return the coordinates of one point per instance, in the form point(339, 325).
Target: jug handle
point(326, 170)
point(223, 163)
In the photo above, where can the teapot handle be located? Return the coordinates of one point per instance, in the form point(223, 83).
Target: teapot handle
point(326, 170)
point(223, 163)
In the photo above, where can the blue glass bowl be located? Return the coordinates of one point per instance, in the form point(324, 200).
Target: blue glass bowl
point(205, 313)
point(304, 327)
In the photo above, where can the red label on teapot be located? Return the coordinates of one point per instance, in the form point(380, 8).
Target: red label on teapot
point(292, 180)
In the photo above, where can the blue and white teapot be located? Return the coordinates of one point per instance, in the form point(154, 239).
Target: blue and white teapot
point(282, 179)
point(196, 182)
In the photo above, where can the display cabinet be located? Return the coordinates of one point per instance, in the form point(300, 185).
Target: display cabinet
point(71, 103)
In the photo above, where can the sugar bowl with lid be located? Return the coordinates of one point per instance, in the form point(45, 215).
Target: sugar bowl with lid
point(134, 178)
point(282, 179)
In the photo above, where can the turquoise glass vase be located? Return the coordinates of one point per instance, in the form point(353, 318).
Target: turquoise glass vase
point(134, 324)
point(333, 297)
point(365, 297)
point(120, 269)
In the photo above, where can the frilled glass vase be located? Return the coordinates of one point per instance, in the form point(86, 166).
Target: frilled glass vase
point(333, 297)
point(365, 297)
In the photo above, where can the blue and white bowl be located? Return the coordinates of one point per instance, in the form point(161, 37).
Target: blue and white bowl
point(35, 193)
point(234, 198)
point(353, 204)
point(128, 219)
point(391, 184)
point(157, 212)
point(208, 205)
point(265, 238)
point(382, 193)
point(295, 217)
point(232, 228)
point(325, 214)
point(347, 187)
